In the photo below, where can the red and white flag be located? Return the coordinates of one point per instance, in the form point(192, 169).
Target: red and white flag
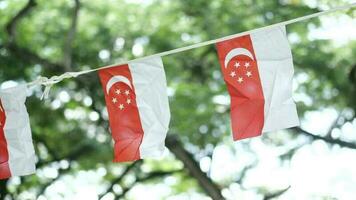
point(258, 72)
point(17, 155)
point(137, 104)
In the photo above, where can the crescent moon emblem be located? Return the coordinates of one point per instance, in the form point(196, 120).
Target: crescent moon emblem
point(117, 79)
point(236, 52)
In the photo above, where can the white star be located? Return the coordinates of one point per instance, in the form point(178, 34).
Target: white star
point(247, 64)
point(240, 80)
point(127, 92)
point(114, 100)
point(118, 91)
point(233, 74)
point(237, 64)
point(248, 74)
point(121, 106)
point(128, 101)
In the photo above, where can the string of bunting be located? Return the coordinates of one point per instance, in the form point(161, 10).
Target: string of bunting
point(49, 82)
point(257, 67)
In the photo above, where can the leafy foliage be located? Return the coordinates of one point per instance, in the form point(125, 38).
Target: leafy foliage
point(70, 129)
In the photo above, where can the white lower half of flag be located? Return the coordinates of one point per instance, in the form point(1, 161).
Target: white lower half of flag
point(275, 66)
point(16, 149)
point(152, 102)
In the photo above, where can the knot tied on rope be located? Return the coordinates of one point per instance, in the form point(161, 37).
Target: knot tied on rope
point(49, 82)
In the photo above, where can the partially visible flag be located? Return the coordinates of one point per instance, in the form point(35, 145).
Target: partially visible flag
point(258, 72)
point(17, 155)
point(137, 104)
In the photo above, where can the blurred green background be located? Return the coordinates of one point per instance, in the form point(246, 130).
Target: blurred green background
point(70, 129)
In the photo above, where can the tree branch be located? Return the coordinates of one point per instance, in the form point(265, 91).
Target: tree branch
point(276, 194)
point(44, 187)
point(26, 55)
point(75, 154)
point(11, 25)
point(244, 172)
point(118, 179)
point(150, 176)
point(290, 152)
point(67, 50)
point(138, 179)
point(23, 53)
point(204, 181)
point(333, 125)
point(326, 139)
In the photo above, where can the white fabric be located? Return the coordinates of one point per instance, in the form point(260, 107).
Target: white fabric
point(275, 65)
point(150, 85)
point(18, 132)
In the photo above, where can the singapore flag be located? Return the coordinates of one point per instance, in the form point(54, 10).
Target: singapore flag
point(258, 72)
point(17, 154)
point(137, 104)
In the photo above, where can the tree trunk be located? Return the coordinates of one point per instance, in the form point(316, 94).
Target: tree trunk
point(183, 155)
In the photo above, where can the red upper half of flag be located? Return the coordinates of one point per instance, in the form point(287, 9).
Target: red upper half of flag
point(239, 67)
point(4, 154)
point(123, 113)
point(240, 70)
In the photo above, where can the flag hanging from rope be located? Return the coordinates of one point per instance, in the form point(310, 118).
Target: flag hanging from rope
point(258, 72)
point(137, 104)
point(17, 154)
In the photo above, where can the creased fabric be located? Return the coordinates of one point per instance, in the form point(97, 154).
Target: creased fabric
point(17, 132)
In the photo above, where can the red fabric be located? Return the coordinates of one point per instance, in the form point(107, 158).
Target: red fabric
point(247, 101)
point(125, 124)
point(4, 154)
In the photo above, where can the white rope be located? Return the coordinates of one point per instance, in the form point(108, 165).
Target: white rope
point(48, 83)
